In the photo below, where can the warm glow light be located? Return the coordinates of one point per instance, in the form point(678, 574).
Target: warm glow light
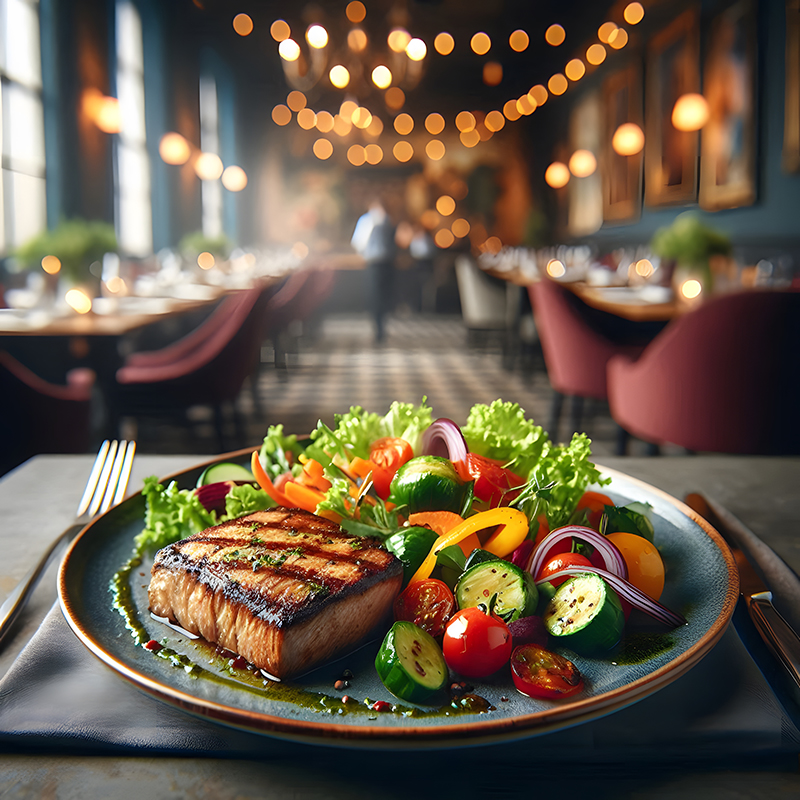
point(511, 110)
point(435, 150)
point(324, 122)
point(234, 178)
point(429, 219)
point(444, 238)
point(460, 228)
point(644, 268)
point(357, 40)
point(557, 175)
point(51, 264)
point(373, 154)
point(281, 115)
point(596, 54)
point(445, 205)
point(375, 127)
point(356, 155)
point(280, 30)
point(243, 25)
point(322, 149)
point(557, 84)
point(78, 301)
point(289, 50)
point(575, 69)
point(434, 123)
point(618, 39)
point(469, 138)
point(444, 43)
point(115, 284)
point(342, 125)
point(361, 117)
point(582, 163)
point(416, 49)
point(628, 139)
point(690, 112)
point(605, 30)
point(465, 121)
point(395, 98)
point(208, 166)
point(317, 37)
point(206, 260)
point(555, 269)
point(691, 289)
point(518, 41)
point(339, 76)
point(483, 132)
point(539, 94)
point(356, 11)
point(382, 76)
point(492, 73)
point(174, 149)
point(299, 250)
point(494, 121)
point(633, 13)
point(403, 151)
point(347, 109)
point(525, 105)
point(306, 119)
point(102, 111)
point(296, 100)
point(404, 124)
point(555, 35)
point(480, 43)
point(493, 244)
point(398, 39)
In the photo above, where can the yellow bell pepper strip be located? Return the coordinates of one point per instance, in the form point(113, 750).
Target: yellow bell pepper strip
point(266, 483)
point(502, 542)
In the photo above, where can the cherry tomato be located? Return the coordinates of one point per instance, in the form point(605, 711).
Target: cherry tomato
point(559, 562)
point(429, 604)
point(493, 483)
point(595, 502)
point(645, 567)
point(476, 644)
point(539, 673)
point(388, 455)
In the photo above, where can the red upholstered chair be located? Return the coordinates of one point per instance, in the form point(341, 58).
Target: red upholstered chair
point(722, 378)
point(41, 417)
point(575, 354)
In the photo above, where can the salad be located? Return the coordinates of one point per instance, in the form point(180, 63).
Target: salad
point(508, 556)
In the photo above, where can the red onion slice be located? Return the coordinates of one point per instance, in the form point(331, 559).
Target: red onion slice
point(608, 551)
point(627, 591)
point(212, 495)
point(444, 438)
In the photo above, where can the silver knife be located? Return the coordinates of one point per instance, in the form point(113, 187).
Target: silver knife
point(776, 632)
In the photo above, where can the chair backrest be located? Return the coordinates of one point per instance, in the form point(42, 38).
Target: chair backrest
point(483, 302)
point(724, 377)
point(301, 294)
point(574, 353)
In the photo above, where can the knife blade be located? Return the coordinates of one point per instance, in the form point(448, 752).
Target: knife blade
point(778, 635)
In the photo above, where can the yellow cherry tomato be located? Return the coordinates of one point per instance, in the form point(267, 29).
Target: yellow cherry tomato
point(645, 567)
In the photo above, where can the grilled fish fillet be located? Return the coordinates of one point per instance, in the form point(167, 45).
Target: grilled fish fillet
point(283, 588)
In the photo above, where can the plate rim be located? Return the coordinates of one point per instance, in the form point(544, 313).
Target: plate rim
point(469, 733)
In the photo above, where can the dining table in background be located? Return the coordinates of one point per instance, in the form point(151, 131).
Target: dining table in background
point(744, 744)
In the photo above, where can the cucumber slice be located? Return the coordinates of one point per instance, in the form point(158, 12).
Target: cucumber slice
point(585, 615)
point(516, 591)
point(225, 471)
point(410, 663)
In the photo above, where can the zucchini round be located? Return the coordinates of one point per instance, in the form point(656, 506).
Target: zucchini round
point(516, 592)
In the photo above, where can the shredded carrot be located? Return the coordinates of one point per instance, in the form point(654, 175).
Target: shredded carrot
point(265, 482)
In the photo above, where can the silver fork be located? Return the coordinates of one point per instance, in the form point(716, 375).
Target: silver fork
point(107, 484)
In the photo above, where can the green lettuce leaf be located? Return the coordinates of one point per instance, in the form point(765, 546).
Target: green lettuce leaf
point(274, 449)
point(244, 499)
point(374, 520)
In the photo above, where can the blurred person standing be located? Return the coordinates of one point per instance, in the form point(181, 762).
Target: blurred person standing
point(374, 240)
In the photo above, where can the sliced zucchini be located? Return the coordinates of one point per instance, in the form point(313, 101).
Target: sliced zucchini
point(225, 471)
point(585, 615)
point(515, 589)
point(410, 663)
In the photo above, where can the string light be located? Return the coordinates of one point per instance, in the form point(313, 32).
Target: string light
point(555, 35)
point(628, 139)
point(690, 112)
point(582, 163)
point(557, 175)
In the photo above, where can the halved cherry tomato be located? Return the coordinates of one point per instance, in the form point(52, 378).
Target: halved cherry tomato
point(388, 455)
point(429, 604)
point(595, 503)
point(494, 484)
point(539, 673)
point(475, 643)
point(559, 562)
point(645, 567)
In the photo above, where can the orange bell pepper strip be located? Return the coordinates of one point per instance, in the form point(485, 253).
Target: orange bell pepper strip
point(510, 535)
point(304, 497)
point(266, 483)
point(314, 475)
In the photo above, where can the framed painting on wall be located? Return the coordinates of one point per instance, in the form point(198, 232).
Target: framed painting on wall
point(727, 143)
point(791, 124)
point(622, 175)
point(673, 69)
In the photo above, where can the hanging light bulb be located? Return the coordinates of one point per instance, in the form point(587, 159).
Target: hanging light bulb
point(628, 139)
point(690, 112)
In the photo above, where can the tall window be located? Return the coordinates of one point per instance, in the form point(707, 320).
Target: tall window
point(211, 191)
point(23, 202)
point(132, 185)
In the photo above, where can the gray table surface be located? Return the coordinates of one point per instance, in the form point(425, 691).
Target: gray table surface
point(37, 501)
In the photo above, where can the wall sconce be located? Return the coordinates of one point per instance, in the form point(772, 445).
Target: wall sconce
point(690, 112)
point(582, 163)
point(557, 175)
point(628, 139)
